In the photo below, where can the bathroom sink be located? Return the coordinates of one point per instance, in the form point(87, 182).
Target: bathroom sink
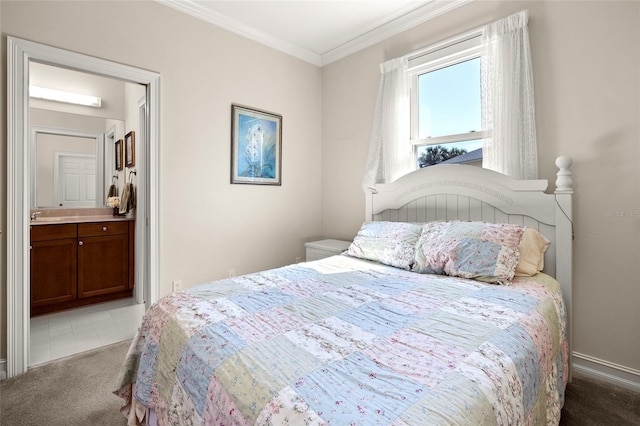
point(50, 219)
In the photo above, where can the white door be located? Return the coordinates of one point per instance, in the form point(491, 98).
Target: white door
point(76, 180)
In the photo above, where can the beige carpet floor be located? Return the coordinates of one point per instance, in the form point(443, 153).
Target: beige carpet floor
point(77, 391)
point(72, 391)
point(589, 402)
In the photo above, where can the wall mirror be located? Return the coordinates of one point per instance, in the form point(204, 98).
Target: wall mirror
point(72, 157)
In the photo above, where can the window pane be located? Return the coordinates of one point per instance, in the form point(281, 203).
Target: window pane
point(456, 152)
point(449, 100)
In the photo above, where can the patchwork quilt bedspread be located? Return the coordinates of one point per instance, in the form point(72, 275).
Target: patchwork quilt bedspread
point(344, 341)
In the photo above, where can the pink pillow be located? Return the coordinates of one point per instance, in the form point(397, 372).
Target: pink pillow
point(478, 250)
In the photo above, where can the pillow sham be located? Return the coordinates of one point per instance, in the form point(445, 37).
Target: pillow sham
point(482, 251)
point(532, 249)
point(390, 243)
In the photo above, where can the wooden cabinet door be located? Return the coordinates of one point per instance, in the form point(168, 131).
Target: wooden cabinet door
point(53, 271)
point(103, 264)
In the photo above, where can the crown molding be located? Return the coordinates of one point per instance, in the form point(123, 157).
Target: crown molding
point(398, 25)
point(192, 8)
point(407, 21)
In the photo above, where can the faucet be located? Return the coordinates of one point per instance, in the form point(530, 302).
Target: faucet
point(34, 215)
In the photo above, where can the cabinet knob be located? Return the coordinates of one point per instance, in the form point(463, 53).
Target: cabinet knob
point(104, 228)
point(80, 243)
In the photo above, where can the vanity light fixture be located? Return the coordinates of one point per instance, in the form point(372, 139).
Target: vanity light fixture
point(62, 96)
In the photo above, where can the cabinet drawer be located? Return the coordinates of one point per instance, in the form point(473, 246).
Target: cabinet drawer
point(96, 229)
point(53, 232)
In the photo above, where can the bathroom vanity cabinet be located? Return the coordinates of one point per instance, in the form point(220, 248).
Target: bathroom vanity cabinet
point(75, 264)
point(54, 260)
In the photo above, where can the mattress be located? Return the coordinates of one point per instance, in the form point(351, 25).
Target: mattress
point(347, 341)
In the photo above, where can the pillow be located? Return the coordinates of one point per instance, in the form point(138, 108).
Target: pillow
point(482, 251)
point(391, 243)
point(532, 248)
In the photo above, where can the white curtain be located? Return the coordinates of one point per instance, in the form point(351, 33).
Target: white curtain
point(507, 99)
point(390, 151)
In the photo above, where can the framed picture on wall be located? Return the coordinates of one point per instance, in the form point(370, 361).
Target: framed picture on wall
point(130, 149)
point(118, 151)
point(256, 146)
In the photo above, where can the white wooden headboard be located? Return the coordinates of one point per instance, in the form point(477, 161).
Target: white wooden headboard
point(461, 192)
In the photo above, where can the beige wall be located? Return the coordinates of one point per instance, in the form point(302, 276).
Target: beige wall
point(207, 226)
point(586, 71)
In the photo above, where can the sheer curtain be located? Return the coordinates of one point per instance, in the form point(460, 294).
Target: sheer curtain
point(390, 151)
point(507, 98)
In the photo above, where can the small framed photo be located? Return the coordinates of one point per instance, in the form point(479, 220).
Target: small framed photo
point(130, 149)
point(118, 151)
point(256, 146)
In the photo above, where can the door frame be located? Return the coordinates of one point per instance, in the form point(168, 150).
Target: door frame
point(19, 54)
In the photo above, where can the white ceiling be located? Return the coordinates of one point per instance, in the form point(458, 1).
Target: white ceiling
point(321, 31)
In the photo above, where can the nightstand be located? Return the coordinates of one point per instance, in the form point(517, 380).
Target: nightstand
point(325, 248)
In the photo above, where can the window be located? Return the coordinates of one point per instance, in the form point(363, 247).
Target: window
point(437, 130)
point(446, 102)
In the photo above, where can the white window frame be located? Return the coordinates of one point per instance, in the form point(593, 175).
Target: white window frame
point(446, 53)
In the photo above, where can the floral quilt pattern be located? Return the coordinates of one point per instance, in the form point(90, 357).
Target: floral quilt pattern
point(346, 341)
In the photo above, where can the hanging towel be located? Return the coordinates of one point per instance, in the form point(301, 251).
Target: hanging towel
point(132, 196)
point(124, 199)
point(128, 199)
point(113, 191)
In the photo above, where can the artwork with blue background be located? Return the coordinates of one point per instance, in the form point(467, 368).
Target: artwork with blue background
point(257, 147)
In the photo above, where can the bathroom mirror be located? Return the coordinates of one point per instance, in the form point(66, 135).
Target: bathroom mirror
point(72, 162)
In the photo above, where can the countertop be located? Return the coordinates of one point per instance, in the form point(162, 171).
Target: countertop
point(58, 220)
point(65, 216)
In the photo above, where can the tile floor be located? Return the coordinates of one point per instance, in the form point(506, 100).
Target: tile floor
point(65, 333)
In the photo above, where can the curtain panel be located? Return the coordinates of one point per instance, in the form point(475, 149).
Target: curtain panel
point(507, 99)
point(390, 151)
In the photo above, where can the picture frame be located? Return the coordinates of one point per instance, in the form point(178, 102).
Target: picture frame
point(130, 149)
point(118, 152)
point(256, 146)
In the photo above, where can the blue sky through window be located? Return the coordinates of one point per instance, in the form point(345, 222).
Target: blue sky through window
point(449, 102)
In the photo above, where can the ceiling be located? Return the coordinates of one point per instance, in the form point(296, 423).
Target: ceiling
point(319, 32)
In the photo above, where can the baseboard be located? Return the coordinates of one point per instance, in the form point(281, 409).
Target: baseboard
point(606, 371)
point(3, 369)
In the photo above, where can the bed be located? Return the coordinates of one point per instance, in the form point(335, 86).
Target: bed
point(395, 331)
